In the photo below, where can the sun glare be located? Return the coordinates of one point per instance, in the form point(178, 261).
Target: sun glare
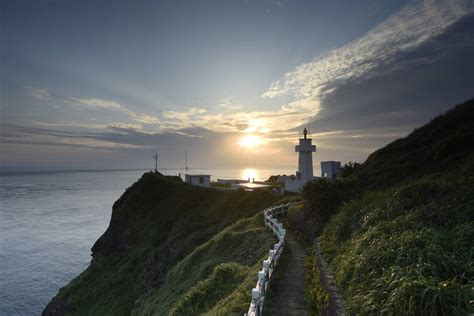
point(250, 141)
point(249, 174)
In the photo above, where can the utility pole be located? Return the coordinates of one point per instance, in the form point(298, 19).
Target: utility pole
point(156, 161)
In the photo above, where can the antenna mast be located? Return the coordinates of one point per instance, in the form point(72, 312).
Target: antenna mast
point(155, 156)
point(186, 159)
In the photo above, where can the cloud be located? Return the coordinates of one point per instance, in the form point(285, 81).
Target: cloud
point(403, 31)
point(40, 94)
point(236, 119)
point(310, 83)
point(37, 135)
point(112, 105)
point(229, 104)
point(125, 128)
point(99, 103)
point(409, 91)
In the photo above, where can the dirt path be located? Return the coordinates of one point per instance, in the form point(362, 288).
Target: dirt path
point(287, 290)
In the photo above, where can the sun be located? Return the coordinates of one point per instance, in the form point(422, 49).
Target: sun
point(249, 174)
point(250, 141)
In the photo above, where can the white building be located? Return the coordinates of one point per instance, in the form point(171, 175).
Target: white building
point(203, 180)
point(305, 164)
point(330, 169)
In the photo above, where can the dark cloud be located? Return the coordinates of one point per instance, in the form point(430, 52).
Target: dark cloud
point(409, 90)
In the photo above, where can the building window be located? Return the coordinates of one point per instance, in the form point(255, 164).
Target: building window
point(201, 180)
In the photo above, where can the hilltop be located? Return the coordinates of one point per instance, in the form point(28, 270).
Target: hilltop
point(172, 248)
point(444, 145)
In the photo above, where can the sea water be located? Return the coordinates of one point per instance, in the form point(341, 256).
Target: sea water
point(49, 222)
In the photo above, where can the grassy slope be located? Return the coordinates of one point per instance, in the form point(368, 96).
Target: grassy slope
point(405, 245)
point(168, 238)
point(213, 273)
point(406, 250)
point(443, 145)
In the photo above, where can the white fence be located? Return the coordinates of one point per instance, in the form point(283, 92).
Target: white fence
point(264, 276)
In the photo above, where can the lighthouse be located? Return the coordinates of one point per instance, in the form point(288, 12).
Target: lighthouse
point(305, 150)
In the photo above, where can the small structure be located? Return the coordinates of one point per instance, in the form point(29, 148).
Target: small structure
point(305, 164)
point(203, 180)
point(330, 169)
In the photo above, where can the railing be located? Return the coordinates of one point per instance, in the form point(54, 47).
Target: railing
point(264, 276)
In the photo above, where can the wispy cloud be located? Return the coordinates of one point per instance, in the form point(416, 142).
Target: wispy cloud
point(99, 103)
point(234, 118)
point(40, 135)
point(403, 31)
point(37, 93)
point(112, 105)
point(229, 104)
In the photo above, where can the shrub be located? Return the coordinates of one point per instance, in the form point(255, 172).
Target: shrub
point(320, 197)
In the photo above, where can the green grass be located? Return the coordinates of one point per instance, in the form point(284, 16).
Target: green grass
point(166, 237)
point(316, 296)
point(442, 145)
point(406, 250)
point(196, 284)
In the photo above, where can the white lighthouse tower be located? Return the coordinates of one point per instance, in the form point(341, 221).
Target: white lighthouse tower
point(305, 164)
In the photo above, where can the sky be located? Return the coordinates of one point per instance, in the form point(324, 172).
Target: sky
point(105, 84)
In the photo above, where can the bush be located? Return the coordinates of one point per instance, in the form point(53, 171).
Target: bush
point(321, 198)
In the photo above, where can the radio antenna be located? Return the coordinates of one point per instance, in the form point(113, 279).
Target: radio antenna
point(186, 159)
point(155, 156)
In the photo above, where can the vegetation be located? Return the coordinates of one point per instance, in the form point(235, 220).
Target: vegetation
point(168, 248)
point(320, 198)
point(399, 230)
point(213, 272)
point(316, 296)
point(443, 145)
point(348, 169)
point(406, 250)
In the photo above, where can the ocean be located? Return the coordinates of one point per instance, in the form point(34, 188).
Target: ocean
point(49, 222)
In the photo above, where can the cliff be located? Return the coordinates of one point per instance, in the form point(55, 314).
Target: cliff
point(171, 247)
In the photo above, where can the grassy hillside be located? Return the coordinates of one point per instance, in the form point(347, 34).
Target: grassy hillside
point(169, 247)
point(400, 235)
point(443, 145)
point(406, 250)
